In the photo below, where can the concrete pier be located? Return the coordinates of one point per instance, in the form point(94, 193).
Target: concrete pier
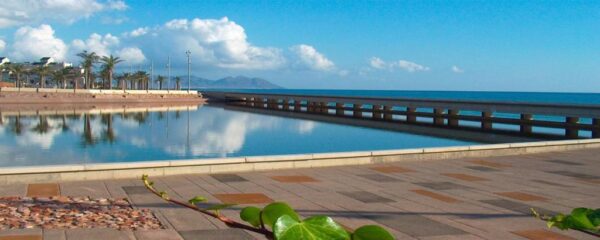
point(571, 118)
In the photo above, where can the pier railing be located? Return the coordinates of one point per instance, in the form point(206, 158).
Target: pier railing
point(524, 118)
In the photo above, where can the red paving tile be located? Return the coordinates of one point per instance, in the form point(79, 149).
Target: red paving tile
point(43, 190)
point(490, 164)
point(243, 198)
point(391, 169)
point(294, 179)
point(522, 196)
point(541, 234)
point(465, 177)
point(21, 237)
point(436, 196)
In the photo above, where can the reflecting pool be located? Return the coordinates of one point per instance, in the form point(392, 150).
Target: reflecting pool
point(141, 134)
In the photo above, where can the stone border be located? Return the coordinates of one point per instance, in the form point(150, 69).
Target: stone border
point(124, 170)
point(99, 91)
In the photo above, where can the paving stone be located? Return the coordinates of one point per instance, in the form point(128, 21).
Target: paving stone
point(436, 196)
point(294, 179)
point(550, 183)
point(99, 233)
point(392, 169)
point(441, 185)
point(366, 197)
point(416, 225)
point(564, 162)
point(517, 206)
point(54, 234)
point(21, 237)
point(541, 234)
point(243, 198)
point(379, 178)
point(136, 190)
point(483, 169)
point(465, 177)
point(490, 164)
point(575, 174)
point(164, 234)
point(217, 234)
point(227, 178)
point(522, 196)
point(43, 190)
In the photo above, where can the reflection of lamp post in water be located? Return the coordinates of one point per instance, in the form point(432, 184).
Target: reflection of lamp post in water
point(189, 74)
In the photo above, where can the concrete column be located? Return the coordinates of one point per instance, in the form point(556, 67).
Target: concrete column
point(596, 130)
point(358, 110)
point(258, 102)
point(376, 112)
point(311, 106)
point(286, 104)
point(297, 105)
point(248, 101)
point(486, 121)
point(323, 108)
point(453, 117)
point(526, 123)
point(339, 109)
point(410, 115)
point(571, 132)
point(387, 115)
point(438, 118)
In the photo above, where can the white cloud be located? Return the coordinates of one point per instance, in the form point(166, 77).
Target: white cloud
point(32, 43)
point(457, 69)
point(2, 45)
point(213, 42)
point(21, 12)
point(310, 58)
point(378, 63)
point(101, 45)
point(138, 32)
point(410, 66)
point(131, 55)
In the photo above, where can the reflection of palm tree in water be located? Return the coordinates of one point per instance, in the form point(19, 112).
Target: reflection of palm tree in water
point(140, 117)
point(88, 137)
point(109, 134)
point(17, 127)
point(42, 127)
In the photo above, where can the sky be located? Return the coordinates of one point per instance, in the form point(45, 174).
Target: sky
point(551, 46)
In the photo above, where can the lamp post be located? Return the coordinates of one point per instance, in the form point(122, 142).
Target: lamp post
point(168, 72)
point(189, 66)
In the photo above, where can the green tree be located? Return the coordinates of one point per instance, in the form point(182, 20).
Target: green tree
point(60, 77)
point(109, 64)
point(43, 71)
point(178, 83)
point(17, 69)
point(87, 61)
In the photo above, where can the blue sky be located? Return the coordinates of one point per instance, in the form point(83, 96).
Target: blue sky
point(424, 45)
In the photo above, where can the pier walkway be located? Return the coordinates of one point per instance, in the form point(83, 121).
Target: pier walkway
point(479, 198)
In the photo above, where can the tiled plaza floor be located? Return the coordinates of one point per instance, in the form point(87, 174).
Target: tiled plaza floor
point(484, 198)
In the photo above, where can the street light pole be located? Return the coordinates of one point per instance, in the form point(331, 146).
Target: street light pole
point(168, 72)
point(189, 66)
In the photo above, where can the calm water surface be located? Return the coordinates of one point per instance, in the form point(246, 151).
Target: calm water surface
point(203, 132)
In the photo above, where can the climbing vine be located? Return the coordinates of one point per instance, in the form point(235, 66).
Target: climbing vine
point(581, 219)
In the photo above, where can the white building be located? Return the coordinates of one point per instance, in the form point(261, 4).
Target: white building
point(4, 60)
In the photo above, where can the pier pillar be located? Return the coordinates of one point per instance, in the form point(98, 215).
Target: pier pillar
point(339, 109)
point(248, 101)
point(358, 110)
point(410, 114)
point(311, 106)
point(526, 123)
point(453, 117)
point(323, 108)
point(387, 113)
point(286, 104)
point(297, 105)
point(596, 130)
point(486, 121)
point(376, 111)
point(258, 102)
point(438, 118)
point(571, 131)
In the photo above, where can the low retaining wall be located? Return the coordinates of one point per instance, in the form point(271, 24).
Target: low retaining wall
point(98, 91)
point(257, 163)
point(54, 96)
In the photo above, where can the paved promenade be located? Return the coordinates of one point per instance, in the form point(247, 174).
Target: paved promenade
point(483, 198)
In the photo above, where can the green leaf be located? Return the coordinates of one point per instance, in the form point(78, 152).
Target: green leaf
point(371, 232)
point(273, 211)
point(313, 228)
point(580, 218)
point(251, 215)
point(197, 199)
point(594, 217)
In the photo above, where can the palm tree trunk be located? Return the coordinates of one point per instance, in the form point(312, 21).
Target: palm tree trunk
point(110, 79)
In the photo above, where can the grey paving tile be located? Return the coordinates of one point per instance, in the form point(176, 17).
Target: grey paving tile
point(564, 162)
point(574, 174)
point(99, 233)
point(517, 206)
point(162, 234)
point(416, 225)
point(379, 178)
point(225, 178)
point(216, 234)
point(550, 183)
point(136, 190)
point(442, 185)
point(482, 168)
point(366, 197)
point(54, 234)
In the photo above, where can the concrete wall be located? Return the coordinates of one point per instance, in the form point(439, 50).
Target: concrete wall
point(257, 163)
point(97, 91)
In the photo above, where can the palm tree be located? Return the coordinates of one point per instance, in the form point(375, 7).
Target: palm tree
point(88, 60)
point(123, 79)
point(60, 76)
point(160, 79)
point(17, 69)
point(109, 64)
point(43, 71)
point(178, 83)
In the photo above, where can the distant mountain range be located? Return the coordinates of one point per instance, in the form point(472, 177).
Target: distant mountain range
point(239, 82)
